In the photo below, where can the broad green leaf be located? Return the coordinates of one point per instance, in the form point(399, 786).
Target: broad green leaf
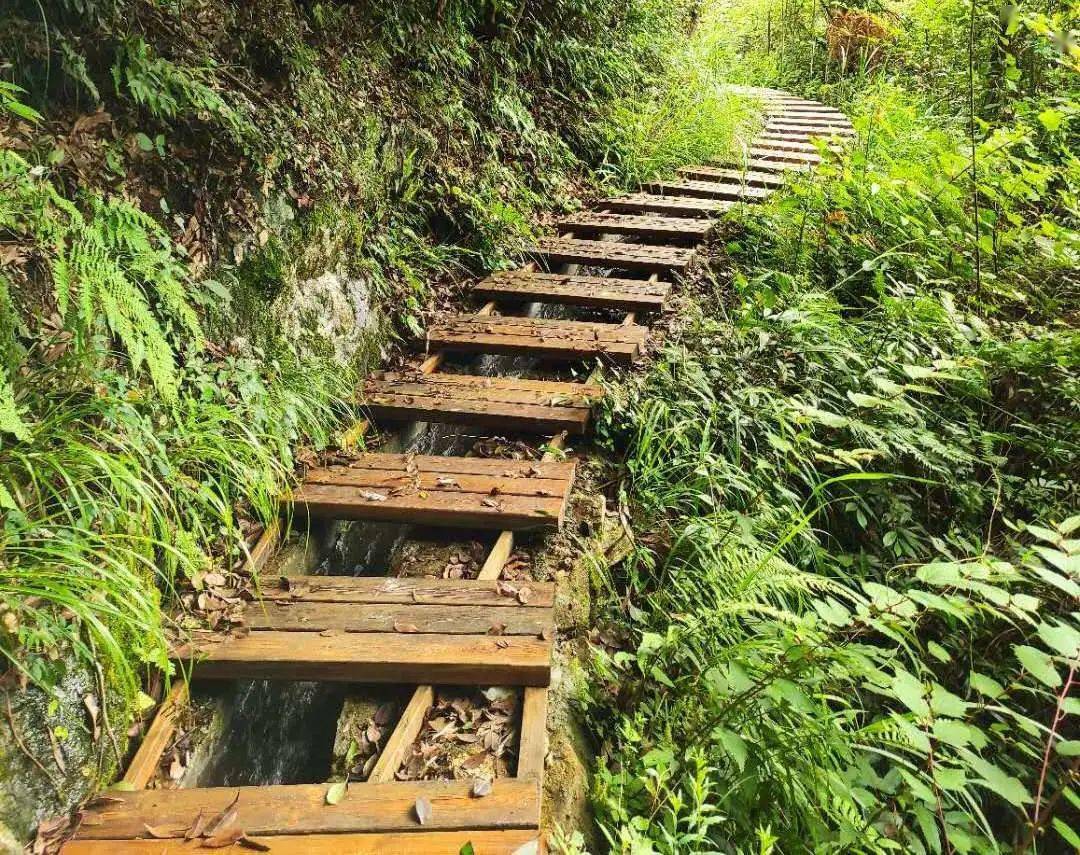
point(952, 732)
point(1062, 638)
point(985, 685)
point(1051, 119)
point(943, 702)
point(938, 652)
point(734, 746)
point(1068, 747)
point(950, 779)
point(1067, 834)
point(910, 692)
point(997, 781)
point(1038, 664)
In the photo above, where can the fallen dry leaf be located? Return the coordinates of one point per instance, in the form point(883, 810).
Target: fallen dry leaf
point(423, 810)
point(224, 819)
point(226, 838)
point(481, 787)
point(197, 827)
point(399, 626)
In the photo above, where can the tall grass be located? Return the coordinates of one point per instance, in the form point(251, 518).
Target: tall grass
point(686, 115)
point(852, 624)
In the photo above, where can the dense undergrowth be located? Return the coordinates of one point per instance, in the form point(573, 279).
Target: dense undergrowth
point(212, 216)
point(852, 624)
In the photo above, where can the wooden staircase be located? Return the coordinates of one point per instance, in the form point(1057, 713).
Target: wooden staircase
point(482, 631)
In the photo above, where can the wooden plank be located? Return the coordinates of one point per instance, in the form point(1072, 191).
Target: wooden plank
point(487, 660)
point(816, 124)
point(452, 510)
point(444, 491)
point(497, 388)
point(414, 843)
point(603, 253)
point(382, 481)
point(601, 292)
point(680, 206)
point(454, 465)
point(402, 590)
point(765, 164)
point(783, 143)
point(144, 764)
point(538, 337)
point(302, 809)
point(710, 190)
point(732, 174)
point(492, 415)
point(493, 404)
point(648, 226)
point(810, 128)
point(300, 616)
point(787, 156)
point(533, 746)
point(405, 732)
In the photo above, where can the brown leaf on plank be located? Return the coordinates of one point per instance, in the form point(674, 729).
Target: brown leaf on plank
point(400, 626)
point(496, 629)
point(197, 827)
point(225, 838)
point(423, 810)
point(257, 845)
point(224, 819)
point(158, 832)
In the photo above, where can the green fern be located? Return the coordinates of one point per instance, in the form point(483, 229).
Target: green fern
point(112, 268)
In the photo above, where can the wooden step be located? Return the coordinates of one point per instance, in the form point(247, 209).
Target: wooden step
point(637, 225)
point(450, 631)
point(597, 292)
point(786, 143)
point(711, 190)
point(810, 112)
point(389, 843)
point(764, 164)
point(498, 403)
point(602, 253)
point(676, 206)
point(769, 153)
point(279, 811)
point(802, 135)
point(460, 492)
point(815, 124)
point(541, 338)
point(730, 174)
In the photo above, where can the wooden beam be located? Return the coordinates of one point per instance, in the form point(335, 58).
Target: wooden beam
point(405, 732)
point(533, 745)
point(400, 657)
point(413, 843)
point(302, 809)
point(144, 764)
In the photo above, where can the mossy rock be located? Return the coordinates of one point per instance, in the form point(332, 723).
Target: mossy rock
point(56, 728)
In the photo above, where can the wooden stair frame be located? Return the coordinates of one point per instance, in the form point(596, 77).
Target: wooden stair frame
point(377, 815)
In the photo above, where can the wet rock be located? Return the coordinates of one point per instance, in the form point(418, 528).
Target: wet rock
point(331, 314)
point(56, 729)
